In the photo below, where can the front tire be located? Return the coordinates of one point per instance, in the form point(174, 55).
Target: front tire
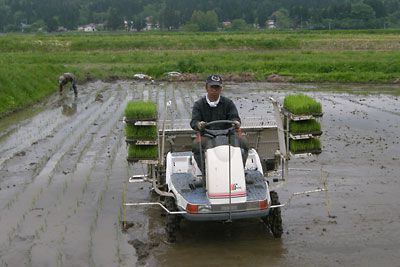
point(274, 219)
point(172, 220)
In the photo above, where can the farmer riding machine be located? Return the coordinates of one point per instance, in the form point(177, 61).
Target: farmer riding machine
point(228, 189)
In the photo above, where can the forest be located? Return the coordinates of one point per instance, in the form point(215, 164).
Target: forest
point(197, 15)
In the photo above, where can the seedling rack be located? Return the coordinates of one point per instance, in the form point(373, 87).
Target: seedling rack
point(287, 138)
point(142, 124)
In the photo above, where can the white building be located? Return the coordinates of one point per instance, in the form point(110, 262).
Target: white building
point(87, 28)
point(270, 24)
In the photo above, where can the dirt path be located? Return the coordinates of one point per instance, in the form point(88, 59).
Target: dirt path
point(63, 177)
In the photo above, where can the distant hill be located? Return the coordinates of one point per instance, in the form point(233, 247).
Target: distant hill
point(196, 15)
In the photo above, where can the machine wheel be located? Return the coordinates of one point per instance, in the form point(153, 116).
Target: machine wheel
point(274, 218)
point(172, 220)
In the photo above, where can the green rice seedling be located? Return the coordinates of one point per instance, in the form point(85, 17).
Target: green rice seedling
point(306, 145)
point(142, 152)
point(141, 110)
point(140, 132)
point(301, 104)
point(306, 126)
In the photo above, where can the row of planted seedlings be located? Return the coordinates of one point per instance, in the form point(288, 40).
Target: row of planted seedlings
point(141, 130)
point(301, 121)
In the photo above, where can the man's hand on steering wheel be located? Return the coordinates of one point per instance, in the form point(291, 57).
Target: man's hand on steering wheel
point(237, 124)
point(201, 125)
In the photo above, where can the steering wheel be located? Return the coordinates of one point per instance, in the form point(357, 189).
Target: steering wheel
point(214, 133)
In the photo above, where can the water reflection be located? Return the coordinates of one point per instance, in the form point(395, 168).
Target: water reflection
point(69, 109)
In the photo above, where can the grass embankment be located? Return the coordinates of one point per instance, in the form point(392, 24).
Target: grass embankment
point(36, 61)
point(22, 84)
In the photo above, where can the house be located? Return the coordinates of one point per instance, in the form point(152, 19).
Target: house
point(62, 29)
point(226, 24)
point(270, 24)
point(87, 28)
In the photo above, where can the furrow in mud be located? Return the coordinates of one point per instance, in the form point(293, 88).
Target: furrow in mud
point(65, 209)
point(73, 194)
point(175, 103)
point(110, 217)
point(187, 104)
point(153, 93)
point(25, 166)
point(180, 108)
point(380, 107)
point(49, 149)
point(364, 132)
point(28, 200)
point(161, 104)
point(43, 125)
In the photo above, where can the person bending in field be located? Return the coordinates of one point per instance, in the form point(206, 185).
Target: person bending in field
point(66, 78)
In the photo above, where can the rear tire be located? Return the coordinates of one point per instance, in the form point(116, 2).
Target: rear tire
point(172, 220)
point(274, 218)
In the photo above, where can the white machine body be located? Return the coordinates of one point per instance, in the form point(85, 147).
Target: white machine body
point(220, 188)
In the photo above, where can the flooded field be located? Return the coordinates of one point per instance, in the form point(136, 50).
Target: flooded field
point(63, 179)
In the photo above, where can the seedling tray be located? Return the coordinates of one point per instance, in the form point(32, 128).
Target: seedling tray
point(142, 160)
point(305, 154)
point(141, 142)
point(297, 117)
point(304, 135)
point(141, 122)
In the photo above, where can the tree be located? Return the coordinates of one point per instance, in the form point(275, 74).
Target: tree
point(38, 26)
point(300, 15)
point(205, 21)
point(53, 23)
point(282, 19)
point(5, 15)
point(113, 19)
point(190, 27)
point(138, 22)
point(172, 14)
point(362, 11)
point(170, 19)
point(378, 7)
point(239, 25)
point(152, 11)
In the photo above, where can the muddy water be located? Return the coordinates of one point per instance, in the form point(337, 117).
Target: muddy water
point(63, 178)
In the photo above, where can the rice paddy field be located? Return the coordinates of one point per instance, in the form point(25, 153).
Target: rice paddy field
point(30, 64)
point(64, 178)
point(63, 160)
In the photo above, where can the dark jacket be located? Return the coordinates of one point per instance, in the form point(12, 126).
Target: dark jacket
point(225, 110)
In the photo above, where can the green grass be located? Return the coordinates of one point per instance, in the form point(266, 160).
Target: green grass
point(141, 110)
point(141, 132)
point(142, 152)
point(301, 104)
point(306, 126)
point(30, 64)
point(22, 85)
point(304, 146)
